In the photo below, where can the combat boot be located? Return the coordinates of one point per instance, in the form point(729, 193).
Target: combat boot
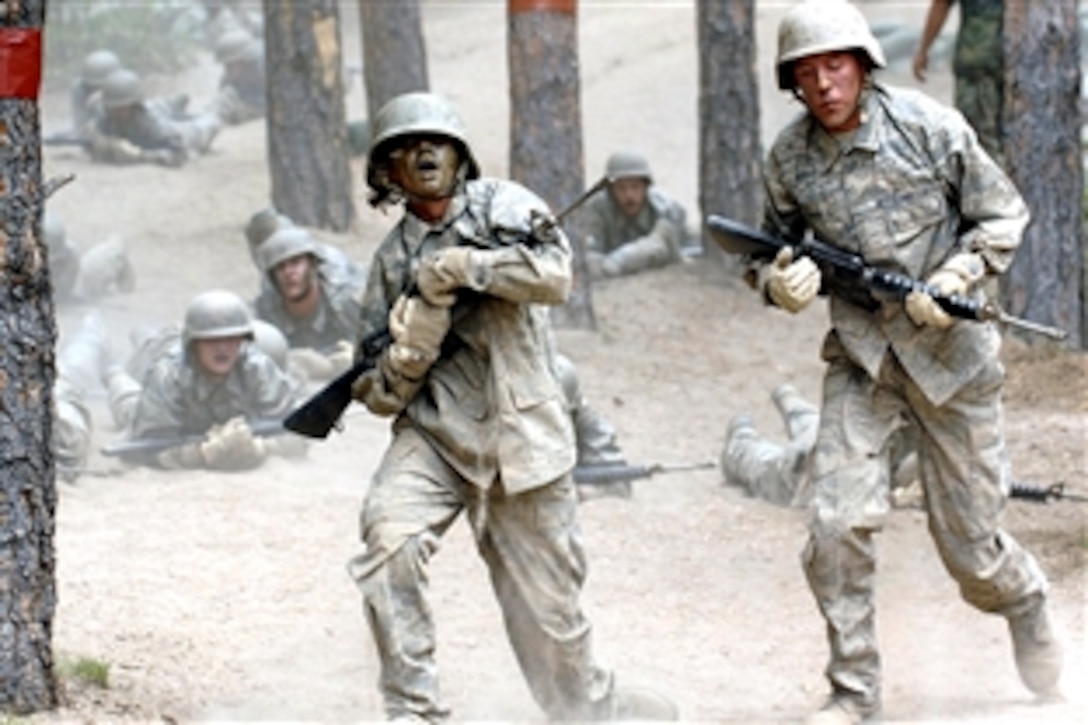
point(1038, 652)
point(640, 704)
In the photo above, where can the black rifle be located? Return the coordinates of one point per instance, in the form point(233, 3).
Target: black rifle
point(846, 275)
point(260, 427)
point(604, 473)
point(319, 415)
point(1043, 494)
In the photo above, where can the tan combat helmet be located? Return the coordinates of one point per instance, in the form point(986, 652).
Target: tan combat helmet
point(216, 314)
point(122, 88)
point(406, 115)
point(628, 165)
point(262, 225)
point(97, 67)
point(284, 244)
point(822, 26)
point(237, 46)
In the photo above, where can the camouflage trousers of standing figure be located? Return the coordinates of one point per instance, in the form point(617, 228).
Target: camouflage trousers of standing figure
point(980, 98)
point(964, 471)
point(533, 550)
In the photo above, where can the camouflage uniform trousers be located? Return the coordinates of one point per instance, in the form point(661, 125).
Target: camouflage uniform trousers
point(533, 549)
point(979, 97)
point(964, 471)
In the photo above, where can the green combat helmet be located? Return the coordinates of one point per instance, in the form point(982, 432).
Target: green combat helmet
point(628, 165)
point(410, 114)
point(216, 314)
point(263, 225)
point(822, 26)
point(97, 67)
point(122, 88)
point(284, 244)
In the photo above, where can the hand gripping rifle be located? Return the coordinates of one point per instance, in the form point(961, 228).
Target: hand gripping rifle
point(321, 413)
point(846, 275)
point(122, 448)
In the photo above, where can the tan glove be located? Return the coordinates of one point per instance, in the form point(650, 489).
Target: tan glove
point(312, 363)
point(418, 329)
point(342, 357)
point(792, 284)
point(442, 273)
point(232, 447)
point(954, 277)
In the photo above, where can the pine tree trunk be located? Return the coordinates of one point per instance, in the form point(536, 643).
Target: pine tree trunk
point(546, 124)
point(730, 154)
point(394, 54)
point(307, 132)
point(28, 496)
point(1042, 145)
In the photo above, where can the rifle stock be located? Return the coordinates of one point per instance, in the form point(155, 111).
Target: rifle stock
point(847, 275)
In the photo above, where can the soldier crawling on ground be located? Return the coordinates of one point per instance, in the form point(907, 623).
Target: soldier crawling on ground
point(203, 390)
point(85, 97)
point(311, 296)
point(101, 269)
point(242, 90)
point(632, 225)
point(133, 129)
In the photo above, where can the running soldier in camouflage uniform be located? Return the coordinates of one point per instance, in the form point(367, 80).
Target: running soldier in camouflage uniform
point(208, 387)
point(479, 421)
point(242, 91)
point(978, 65)
point(316, 306)
point(102, 269)
point(902, 181)
point(632, 225)
point(134, 130)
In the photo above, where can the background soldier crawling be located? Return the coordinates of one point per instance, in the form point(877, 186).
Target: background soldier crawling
point(480, 423)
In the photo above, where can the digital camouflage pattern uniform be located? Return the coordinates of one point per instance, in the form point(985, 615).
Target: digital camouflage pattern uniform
point(910, 188)
point(625, 245)
point(979, 69)
point(485, 432)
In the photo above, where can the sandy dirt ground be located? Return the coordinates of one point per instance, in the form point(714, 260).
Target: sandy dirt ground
point(225, 597)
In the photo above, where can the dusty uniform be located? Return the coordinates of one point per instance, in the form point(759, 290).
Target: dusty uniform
point(486, 432)
point(336, 320)
point(178, 400)
point(151, 129)
point(778, 472)
point(898, 191)
point(979, 69)
point(86, 107)
point(242, 99)
point(651, 238)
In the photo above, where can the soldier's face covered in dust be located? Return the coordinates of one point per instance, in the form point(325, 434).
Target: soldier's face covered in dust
point(425, 166)
point(830, 84)
point(630, 195)
point(217, 356)
point(294, 277)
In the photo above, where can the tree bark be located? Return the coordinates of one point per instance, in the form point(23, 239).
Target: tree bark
point(546, 125)
point(1042, 146)
point(28, 495)
point(394, 54)
point(730, 153)
point(307, 132)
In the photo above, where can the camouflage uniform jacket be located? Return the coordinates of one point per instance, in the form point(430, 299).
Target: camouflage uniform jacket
point(336, 319)
point(179, 400)
point(149, 129)
point(979, 50)
point(908, 190)
point(608, 228)
point(491, 405)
